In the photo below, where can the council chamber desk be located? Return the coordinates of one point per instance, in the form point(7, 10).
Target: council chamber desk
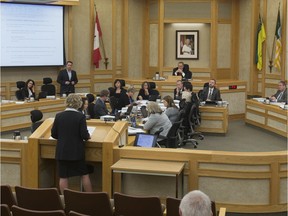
point(267, 116)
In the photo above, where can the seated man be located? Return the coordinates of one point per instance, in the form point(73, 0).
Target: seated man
point(281, 94)
point(195, 203)
point(127, 99)
point(100, 108)
point(182, 71)
point(211, 93)
point(178, 90)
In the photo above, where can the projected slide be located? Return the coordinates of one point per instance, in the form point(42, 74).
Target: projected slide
point(31, 35)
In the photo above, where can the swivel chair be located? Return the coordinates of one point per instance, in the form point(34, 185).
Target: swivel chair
point(153, 90)
point(36, 116)
point(20, 85)
point(171, 140)
point(48, 86)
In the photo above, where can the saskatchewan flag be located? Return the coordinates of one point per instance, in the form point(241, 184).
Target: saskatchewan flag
point(260, 38)
point(277, 59)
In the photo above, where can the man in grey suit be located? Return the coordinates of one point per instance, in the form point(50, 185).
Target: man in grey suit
point(281, 94)
point(211, 93)
point(100, 108)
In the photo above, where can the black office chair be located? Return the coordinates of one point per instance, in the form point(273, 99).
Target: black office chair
point(171, 140)
point(48, 86)
point(42, 95)
point(36, 116)
point(188, 72)
point(122, 82)
point(200, 93)
point(20, 85)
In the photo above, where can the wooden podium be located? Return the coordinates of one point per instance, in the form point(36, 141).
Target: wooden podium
point(39, 160)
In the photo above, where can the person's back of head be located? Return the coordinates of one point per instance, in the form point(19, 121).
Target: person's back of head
point(104, 93)
point(195, 203)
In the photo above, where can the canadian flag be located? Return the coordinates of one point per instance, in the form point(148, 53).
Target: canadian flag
point(97, 35)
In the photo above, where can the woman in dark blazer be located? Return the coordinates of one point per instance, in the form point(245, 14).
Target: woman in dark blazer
point(29, 90)
point(144, 92)
point(118, 92)
point(70, 130)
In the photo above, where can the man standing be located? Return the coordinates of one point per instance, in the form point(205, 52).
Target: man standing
point(67, 79)
point(182, 71)
point(281, 94)
point(211, 93)
point(178, 90)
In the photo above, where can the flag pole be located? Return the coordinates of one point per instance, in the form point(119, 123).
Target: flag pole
point(273, 46)
point(102, 43)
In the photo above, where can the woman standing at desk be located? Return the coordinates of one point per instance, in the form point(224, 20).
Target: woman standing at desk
point(157, 119)
point(29, 90)
point(70, 130)
point(144, 92)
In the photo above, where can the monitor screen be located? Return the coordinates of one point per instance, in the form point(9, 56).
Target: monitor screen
point(32, 35)
point(145, 140)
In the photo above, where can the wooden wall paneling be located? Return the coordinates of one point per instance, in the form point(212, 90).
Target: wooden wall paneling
point(92, 29)
point(114, 38)
point(160, 36)
point(70, 34)
point(263, 72)
point(284, 41)
point(146, 39)
point(213, 53)
point(125, 37)
point(235, 40)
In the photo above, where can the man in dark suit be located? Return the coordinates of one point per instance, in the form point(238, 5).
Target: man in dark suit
point(281, 94)
point(183, 71)
point(70, 130)
point(211, 93)
point(178, 90)
point(67, 79)
point(100, 108)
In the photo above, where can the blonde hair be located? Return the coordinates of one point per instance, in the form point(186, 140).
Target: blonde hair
point(153, 108)
point(187, 96)
point(74, 101)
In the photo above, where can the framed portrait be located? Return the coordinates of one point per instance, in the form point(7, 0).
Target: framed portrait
point(187, 44)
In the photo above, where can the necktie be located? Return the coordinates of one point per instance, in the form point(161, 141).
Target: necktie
point(210, 94)
point(279, 96)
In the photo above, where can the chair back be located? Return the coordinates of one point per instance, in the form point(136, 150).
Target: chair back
point(140, 206)
point(90, 203)
point(172, 135)
point(42, 94)
point(5, 211)
point(194, 117)
point(48, 86)
point(20, 84)
point(122, 82)
point(73, 213)
point(40, 199)
point(90, 98)
point(7, 196)
point(19, 95)
point(113, 103)
point(18, 211)
point(36, 116)
point(172, 206)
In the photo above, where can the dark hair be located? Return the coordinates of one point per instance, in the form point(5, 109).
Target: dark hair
point(142, 86)
point(283, 82)
point(104, 92)
point(29, 80)
point(69, 62)
point(213, 80)
point(118, 80)
point(188, 86)
point(169, 101)
point(90, 98)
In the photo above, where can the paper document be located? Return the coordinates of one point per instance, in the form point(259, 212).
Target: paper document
point(133, 131)
point(90, 130)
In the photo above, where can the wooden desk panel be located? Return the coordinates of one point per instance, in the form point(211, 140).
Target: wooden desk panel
point(269, 117)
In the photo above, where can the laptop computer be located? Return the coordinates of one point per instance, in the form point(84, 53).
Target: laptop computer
point(145, 140)
point(129, 110)
point(153, 97)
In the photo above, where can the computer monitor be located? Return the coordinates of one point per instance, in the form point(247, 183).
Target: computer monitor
point(145, 140)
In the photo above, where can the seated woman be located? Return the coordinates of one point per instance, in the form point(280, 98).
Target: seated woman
point(157, 119)
point(171, 109)
point(117, 93)
point(83, 108)
point(144, 92)
point(29, 90)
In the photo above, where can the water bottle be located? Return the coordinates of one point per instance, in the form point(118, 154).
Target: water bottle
point(157, 76)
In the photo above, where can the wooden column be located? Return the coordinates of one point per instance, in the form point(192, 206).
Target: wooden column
point(124, 38)
point(160, 36)
point(213, 39)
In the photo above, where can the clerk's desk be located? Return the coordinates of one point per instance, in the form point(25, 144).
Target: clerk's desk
point(98, 149)
point(17, 115)
point(267, 116)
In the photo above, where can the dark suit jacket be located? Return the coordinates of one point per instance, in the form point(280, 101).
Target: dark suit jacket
point(179, 97)
point(100, 109)
point(63, 77)
point(283, 98)
point(70, 130)
point(25, 93)
point(142, 93)
point(188, 73)
point(215, 95)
